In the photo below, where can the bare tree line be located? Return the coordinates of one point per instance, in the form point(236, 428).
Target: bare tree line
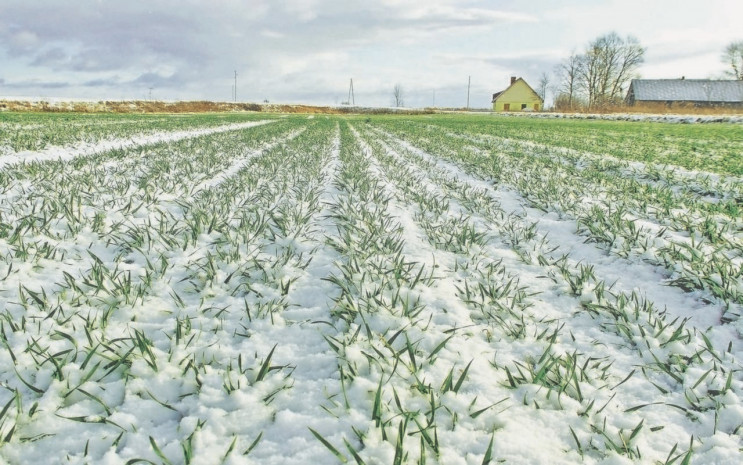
point(733, 56)
point(600, 75)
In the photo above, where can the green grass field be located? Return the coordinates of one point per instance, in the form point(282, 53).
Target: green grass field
point(707, 147)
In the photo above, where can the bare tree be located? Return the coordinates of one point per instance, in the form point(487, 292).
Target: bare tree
point(733, 56)
point(544, 82)
point(397, 96)
point(569, 72)
point(607, 66)
point(631, 56)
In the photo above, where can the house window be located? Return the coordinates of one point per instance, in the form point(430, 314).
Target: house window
point(523, 106)
point(506, 106)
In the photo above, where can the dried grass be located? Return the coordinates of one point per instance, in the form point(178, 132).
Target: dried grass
point(661, 108)
point(148, 106)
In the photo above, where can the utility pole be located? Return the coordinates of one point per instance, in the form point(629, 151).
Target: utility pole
point(235, 85)
point(351, 99)
point(150, 93)
point(433, 105)
point(469, 78)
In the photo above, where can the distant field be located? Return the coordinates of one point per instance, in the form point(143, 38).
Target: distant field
point(294, 289)
point(706, 147)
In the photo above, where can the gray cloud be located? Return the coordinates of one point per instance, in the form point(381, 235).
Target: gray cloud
point(157, 80)
point(674, 55)
point(304, 50)
point(53, 57)
point(526, 64)
point(53, 84)
point(103, 82)
point(97, 36)
point(35, 83)
point(191, 46)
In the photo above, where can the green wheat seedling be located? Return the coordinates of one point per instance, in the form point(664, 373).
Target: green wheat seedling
point(562, 374)
point(676, 333)
point(157, 276)
point(108, 288)
point(613, 229)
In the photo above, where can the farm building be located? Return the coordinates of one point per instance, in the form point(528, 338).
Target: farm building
point(519, 96)
point(697, 92)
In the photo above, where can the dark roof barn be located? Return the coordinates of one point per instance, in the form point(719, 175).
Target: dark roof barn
point(697, 91)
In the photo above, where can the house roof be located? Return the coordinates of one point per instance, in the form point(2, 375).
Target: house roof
point(498, 94)
point(687, 90)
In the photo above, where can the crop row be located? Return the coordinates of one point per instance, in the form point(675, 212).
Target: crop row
point(699, 247)
point(320, 290)
point(32, 132)
point(645, 330)
point(128, 297)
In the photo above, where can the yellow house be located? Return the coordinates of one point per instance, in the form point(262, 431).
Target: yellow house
point(519, 96)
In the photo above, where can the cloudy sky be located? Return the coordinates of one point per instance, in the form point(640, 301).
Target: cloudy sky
point(306, 51)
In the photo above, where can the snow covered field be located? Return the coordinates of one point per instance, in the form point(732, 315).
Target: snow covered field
point(383, 290)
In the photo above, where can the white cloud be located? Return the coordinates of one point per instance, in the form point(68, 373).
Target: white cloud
point(306, 50)
point(272, 34)
point(454, 14)
point(22, 42)
point(303, 10)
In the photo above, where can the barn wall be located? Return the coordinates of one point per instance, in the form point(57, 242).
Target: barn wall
point(686, 103)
